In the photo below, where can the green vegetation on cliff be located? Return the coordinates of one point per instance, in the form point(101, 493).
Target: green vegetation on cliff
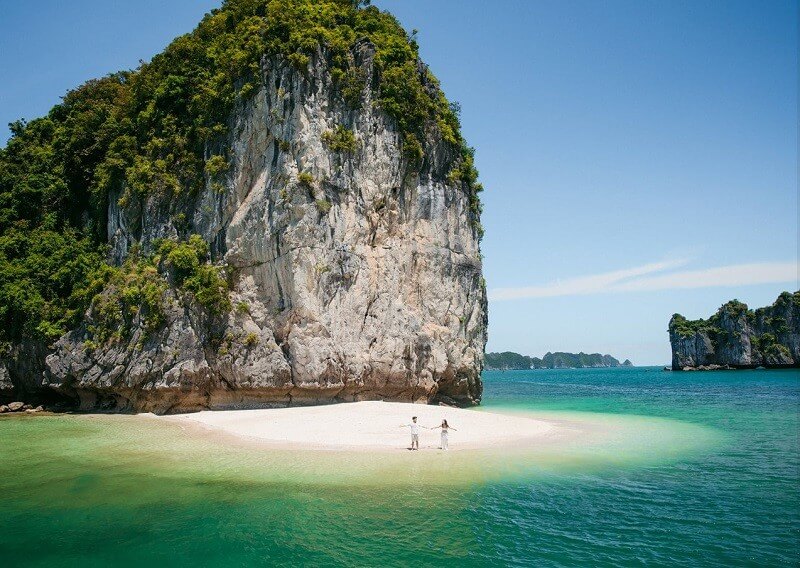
point(162, 129)
point(734, 310)
point(138, 288)
point(687, 328)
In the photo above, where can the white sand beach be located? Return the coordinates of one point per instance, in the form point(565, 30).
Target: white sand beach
point(372, 426)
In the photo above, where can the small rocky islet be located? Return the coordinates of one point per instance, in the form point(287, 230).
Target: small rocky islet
point(736, 337)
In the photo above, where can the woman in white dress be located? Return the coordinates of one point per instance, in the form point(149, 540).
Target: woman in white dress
point(445, 429)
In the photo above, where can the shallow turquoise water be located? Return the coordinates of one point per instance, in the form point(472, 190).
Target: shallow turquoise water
point(712, 480)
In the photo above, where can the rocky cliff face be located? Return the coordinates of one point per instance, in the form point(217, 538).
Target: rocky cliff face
point(736, 337)
point(354, 274)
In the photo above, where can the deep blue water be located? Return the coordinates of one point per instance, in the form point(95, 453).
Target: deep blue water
point(738, 504)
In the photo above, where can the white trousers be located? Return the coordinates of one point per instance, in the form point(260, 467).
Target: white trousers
point(445, 445)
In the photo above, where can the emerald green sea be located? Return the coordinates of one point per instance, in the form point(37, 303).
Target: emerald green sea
point(694, 469)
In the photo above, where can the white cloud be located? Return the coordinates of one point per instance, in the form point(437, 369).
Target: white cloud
point(648, 277)
point(734, 275)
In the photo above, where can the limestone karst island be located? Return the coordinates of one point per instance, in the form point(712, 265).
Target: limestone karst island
point(736, 337)
point(509, 360)
point(280, 208)
point(257, 309)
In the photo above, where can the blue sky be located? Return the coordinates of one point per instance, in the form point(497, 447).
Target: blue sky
point(639, 158)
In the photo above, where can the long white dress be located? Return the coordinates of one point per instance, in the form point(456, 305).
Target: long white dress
point(445, 445)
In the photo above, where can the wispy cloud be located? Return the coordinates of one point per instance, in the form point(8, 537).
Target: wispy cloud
point(658, 276)
point(734, 275)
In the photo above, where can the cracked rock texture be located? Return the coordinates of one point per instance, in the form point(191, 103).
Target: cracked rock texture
point(362, 281)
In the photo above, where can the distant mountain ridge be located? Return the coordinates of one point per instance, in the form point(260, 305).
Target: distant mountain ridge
point(509, 360)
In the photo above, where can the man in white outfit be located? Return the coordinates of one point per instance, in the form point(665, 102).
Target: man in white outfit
point(414, 433)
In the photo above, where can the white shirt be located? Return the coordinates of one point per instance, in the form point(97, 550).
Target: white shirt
point(414, 428)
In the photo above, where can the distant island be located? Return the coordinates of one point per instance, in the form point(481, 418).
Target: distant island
point(509, 360)
point(737, 337)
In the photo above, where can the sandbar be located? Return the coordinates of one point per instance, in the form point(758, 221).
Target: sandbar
point(374, 426)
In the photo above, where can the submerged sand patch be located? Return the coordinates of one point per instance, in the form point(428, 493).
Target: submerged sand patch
point(363, 443)
point(510, 446)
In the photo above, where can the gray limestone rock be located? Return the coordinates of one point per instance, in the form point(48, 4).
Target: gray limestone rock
point(360, 279)
point(736, 337)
